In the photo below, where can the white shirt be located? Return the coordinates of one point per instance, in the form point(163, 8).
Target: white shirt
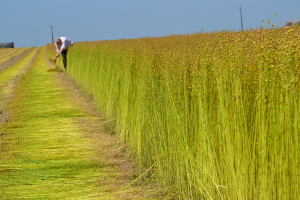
point(65, 44)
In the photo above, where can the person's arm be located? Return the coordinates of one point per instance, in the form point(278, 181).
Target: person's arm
point(57, 52)
point(57, 49)
point(60, 51)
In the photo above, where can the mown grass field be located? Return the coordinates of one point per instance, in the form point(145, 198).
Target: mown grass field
point(8, 57)
point(9, 76)
point(217, 114)
point(9, 54)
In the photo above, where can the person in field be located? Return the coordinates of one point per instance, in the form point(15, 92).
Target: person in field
point(62, 44)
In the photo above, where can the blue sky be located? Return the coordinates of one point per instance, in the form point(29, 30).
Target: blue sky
point(27, 22)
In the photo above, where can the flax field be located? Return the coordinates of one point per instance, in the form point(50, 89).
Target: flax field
point(214, 115)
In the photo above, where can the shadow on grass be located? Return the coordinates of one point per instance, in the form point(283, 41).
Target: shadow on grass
point(56, 69)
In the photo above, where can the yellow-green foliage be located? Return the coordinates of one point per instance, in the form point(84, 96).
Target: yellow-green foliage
point(5, 51)
point(217, 112)
point(9, 54)
point(51, 51)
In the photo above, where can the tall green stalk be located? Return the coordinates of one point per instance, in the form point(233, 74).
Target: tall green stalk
point(217, 113)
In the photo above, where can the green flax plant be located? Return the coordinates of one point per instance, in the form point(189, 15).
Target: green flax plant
point(216, 113)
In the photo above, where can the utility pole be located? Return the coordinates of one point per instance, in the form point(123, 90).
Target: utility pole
point(241, 17)
point(52, 34)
